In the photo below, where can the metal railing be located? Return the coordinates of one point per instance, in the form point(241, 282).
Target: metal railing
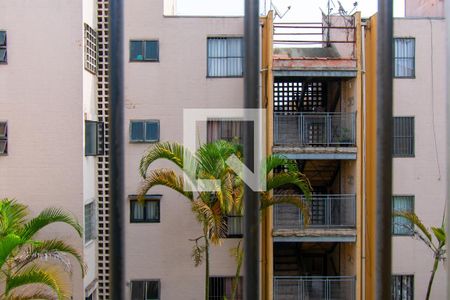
point(326, 211)
point(314, 287)
point(315, 129)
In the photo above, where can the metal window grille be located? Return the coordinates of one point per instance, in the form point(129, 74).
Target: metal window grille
point(145, 290)
point(144, 131)
point(94, 138)
point(294, 95)
point(89, 222)
point(221, 288)
point(225, 57)
point(90, 49)
point(402, 287)
point(403, 143)
point(400, 225)
point(3, 138)
point(404, 57)
point(235, 227)
point(3, 52)
point(144, 50)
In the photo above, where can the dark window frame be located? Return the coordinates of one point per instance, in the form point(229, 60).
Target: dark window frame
point(93, 228)
point(402, 287)
point(412, 137)
point(413, 58)
point(90, 49)
point(4, 137)
point(146, 281)
point(144, 140)
point(208, 57)
point(4, 47)
point(156, 198)
point(238, 235)
point(99, 148)
point(144, 59)
point(413, 200)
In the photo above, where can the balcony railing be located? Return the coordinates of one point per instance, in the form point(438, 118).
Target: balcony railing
point(326, 211)
point(328, 129)
point(314, 287)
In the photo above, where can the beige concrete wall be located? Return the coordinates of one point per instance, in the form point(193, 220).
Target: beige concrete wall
point(161, 91)
point(423, 175)
point(424, 8)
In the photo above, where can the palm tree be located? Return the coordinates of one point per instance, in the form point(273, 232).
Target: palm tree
point(211, 208)
point(25, 265)
point(426, 236)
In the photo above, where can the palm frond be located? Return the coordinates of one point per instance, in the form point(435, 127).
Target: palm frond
point(8, 244)
point(12, 216)
point(167, 178)
point(173, 152)
point(49, 216)
point(212, 218)
point(295, 200)
point(274, 161)
point(284, 179)
point(414, 219)
point(36, 276)
point(38, 295)
point(439, 233)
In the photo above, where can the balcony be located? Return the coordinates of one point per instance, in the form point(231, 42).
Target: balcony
point(332, 219)
point(314, 287)
point(312, 133)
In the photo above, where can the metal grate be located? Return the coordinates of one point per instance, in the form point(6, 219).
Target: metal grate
point(402, 287)
point(403, 143)
point(299, 96)
point(90, 49)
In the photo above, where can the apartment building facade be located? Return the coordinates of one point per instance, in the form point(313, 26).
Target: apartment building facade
point(48, 118)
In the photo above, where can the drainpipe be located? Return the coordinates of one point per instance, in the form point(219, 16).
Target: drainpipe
point(447, 16)
point(363, 231)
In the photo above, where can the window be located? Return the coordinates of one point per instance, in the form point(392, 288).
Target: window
point(144, 131)
point(402, 226)
point(3, 138)
point(403, 144)
point(221, 287)
point(145, 290)
point(3, 57)
point(404, 57)
point(224, 130)
point(90, 49)
point(147, 212)
point(225, 57)
point(89, 222)
point(402, 287)
point(94, 138)
point(144, 50)
point(234, 226)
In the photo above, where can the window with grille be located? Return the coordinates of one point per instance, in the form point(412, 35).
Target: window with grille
point(404, 57)
point(235, 227)
point(3, 138)
point(221, 288)
point(146, 212)
point(89, 222)
point(224, 130)
point(94, 138)
point(145, 289)
point(402, 287)
point(144, 131)
point(144, 50)
point(400, 225)
point(225, 57)
point(3, 57)
point(90, 49)
point(403, 143)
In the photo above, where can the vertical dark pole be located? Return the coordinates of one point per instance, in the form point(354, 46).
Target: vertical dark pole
point(383, 256)
point(251, 204)
point(116, 152)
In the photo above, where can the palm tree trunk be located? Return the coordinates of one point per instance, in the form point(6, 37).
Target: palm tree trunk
point(206, 266)
point(433, 272)
point(238, 272)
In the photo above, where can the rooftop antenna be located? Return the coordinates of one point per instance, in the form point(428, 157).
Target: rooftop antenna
point(277, 12)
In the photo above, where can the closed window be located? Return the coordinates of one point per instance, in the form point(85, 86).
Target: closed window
point(401, 225)
point(225, 57)
point(144, 50)
point(89, 222)
point(144, 131)
point(404, 57)
point(3, 56)
point(234, 226)
point(402, 287)
point(94, 138)
point(147, 211)
point(3, 138)
point(403, 143)
point(90, 49)
point(224, 130)
point(221, 288)
point(145, 290)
